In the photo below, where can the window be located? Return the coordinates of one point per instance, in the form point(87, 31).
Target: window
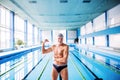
point(114, 16)
point(46, 34)
point(19, 28)
point(89, 28)
point(4, 28)
point(100, 41)
point(36, 35)
point(30, 34)
point(89, 41)
point(3, 16)
point(83, 41)
point(114, 40)
point(99, 23)
point(82, 30)
point(71, 36)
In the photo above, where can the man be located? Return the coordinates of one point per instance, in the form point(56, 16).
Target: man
point(60, 58)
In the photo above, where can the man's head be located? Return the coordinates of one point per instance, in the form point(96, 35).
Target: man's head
point(60, 35)
point(60, 38)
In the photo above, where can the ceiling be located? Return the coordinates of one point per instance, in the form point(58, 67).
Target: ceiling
point(59, 14)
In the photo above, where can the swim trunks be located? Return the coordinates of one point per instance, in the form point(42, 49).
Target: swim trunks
point(59, 68)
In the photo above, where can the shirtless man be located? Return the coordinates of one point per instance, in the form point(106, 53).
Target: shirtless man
point(60, 58)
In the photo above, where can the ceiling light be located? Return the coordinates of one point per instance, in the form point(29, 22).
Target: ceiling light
point(63, 1)
point(86, 1)
point(32, 1)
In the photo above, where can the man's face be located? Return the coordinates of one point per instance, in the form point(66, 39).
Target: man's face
point(60, 40)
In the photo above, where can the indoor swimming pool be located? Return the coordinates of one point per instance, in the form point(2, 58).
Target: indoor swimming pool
point(30, 64)
point(91, 29)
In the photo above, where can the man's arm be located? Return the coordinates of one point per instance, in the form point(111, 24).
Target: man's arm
point(43, 47)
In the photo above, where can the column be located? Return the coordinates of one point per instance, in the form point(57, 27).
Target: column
point(12, 33)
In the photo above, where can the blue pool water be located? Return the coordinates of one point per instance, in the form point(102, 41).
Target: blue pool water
point(35, 66)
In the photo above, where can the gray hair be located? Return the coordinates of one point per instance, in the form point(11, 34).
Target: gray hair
point(60, 35)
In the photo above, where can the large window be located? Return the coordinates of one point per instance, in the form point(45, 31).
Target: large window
point(114, 16)
point(100, 41)
point(99, 23)
point(113, 21)
point(89, 28)
point(36, 36)
point(19, 28)
point(82, 30)
point(4, 28)
point(83, 41)
point(89, 41)
point(114, 40)
point(46, 34)
point(71, 36)
point(30, 35)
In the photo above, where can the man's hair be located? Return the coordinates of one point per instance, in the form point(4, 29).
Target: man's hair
point(60, 35)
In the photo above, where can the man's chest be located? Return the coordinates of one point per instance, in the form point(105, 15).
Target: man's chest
point(58, 50)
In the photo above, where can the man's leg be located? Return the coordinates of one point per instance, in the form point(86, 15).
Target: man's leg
point(54, 74)
point(64, 74)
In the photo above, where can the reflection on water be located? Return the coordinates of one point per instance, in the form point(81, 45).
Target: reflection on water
point(104, 60)
point(16, 69)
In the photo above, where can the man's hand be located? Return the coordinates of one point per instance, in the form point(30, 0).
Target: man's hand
point(46, 40)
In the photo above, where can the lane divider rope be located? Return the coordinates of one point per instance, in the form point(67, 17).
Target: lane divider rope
point(15, 67)
point(110, 67)
point(32, 69)
point(43, 69)
point(96, 77)
point(82, 76)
